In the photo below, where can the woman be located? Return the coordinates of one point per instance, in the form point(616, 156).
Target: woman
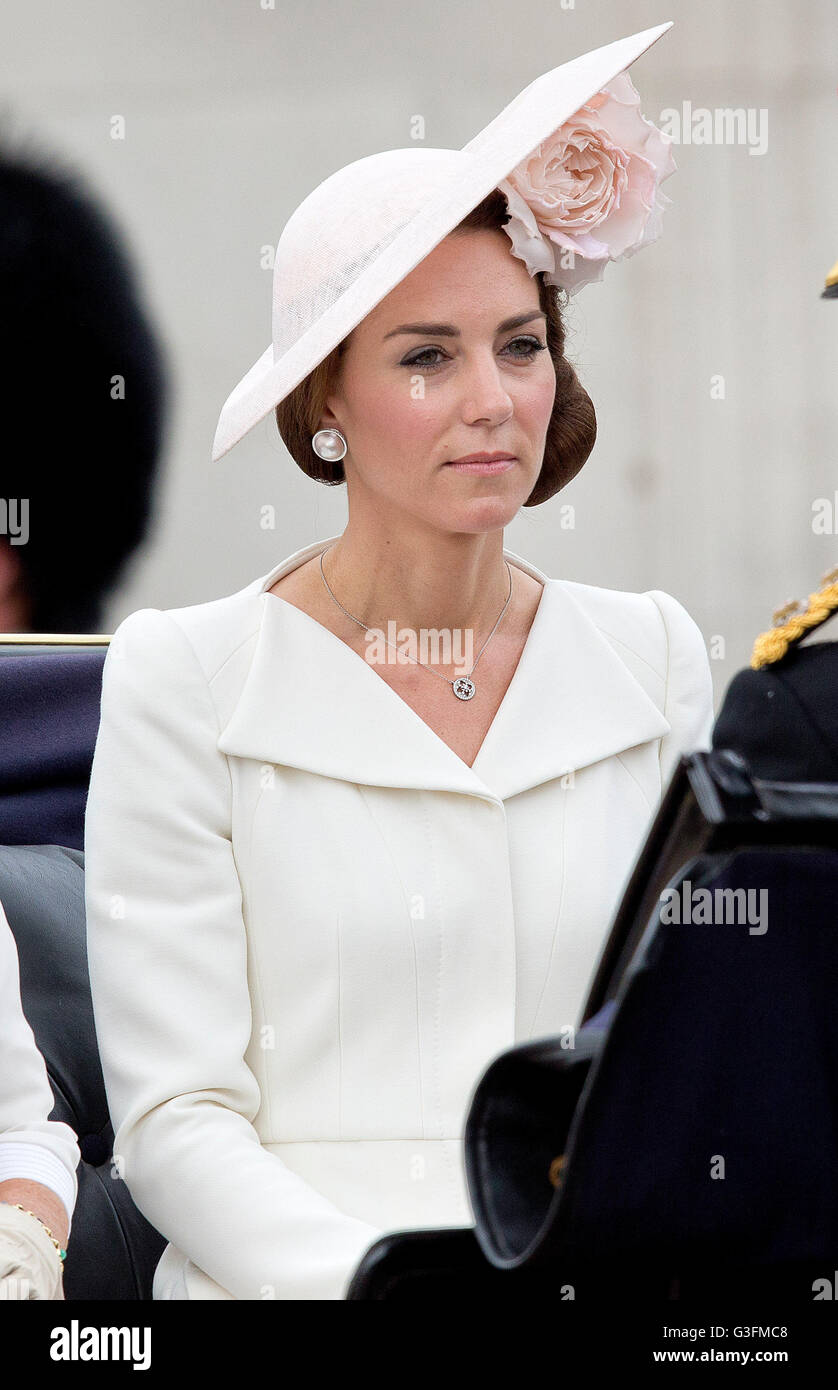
point(38, 1156)
point(325, 888)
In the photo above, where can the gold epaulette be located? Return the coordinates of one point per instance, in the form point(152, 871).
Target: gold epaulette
point(830, 289)
point(794, 620)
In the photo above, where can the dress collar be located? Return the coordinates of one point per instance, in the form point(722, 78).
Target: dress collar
point(309, 701)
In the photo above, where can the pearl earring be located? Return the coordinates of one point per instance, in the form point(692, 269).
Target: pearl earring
point(329, 445)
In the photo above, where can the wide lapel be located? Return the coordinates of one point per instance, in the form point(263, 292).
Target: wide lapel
point(308, 701)
point(571, 702)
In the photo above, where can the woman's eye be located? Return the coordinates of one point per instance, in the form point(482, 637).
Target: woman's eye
point(417, 360)
point(526, 347)
point(531, 346)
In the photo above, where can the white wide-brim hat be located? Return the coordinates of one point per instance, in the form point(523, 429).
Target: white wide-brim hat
point(367, 226)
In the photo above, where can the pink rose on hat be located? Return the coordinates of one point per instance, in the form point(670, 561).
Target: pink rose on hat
point(591, 189)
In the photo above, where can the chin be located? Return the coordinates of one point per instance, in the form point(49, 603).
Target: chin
point(487, 514)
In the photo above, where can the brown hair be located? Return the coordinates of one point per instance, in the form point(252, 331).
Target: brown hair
point(570, 434)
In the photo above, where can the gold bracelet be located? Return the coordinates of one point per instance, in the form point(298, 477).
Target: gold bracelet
point(62, 1254)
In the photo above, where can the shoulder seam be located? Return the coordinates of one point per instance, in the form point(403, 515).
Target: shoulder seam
point(640, 657)
point(217, 672)
point(164, 612)
point(610, 636)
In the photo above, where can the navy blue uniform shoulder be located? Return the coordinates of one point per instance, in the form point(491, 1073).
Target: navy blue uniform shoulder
point(783, 718)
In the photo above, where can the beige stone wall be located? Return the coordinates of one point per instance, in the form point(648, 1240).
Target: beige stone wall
point(234, 111)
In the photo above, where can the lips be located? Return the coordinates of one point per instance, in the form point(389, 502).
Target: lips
point(483, 458)
point(483, 465)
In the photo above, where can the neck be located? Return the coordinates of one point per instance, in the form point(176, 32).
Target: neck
point(420, 578)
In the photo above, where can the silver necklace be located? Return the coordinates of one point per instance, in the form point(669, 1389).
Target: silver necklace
point(463, 687)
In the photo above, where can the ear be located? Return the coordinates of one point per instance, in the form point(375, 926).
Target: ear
point(329, 420)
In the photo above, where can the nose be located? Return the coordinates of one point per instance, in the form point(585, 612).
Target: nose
point(485, 399)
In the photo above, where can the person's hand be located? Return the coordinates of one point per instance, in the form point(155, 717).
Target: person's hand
point(30, 1266)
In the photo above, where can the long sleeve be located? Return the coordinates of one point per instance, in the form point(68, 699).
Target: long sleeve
point(689, 685)
point(31, 1145)
point(167, 954)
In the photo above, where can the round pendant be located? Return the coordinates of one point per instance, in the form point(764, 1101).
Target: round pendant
point(464, 688)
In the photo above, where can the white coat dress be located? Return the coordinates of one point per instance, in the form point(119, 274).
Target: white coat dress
point(311, 925)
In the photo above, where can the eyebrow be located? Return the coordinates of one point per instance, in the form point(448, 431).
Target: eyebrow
point(447, 330)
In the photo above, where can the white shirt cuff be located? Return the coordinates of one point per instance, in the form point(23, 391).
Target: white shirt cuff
point(36, 1163)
